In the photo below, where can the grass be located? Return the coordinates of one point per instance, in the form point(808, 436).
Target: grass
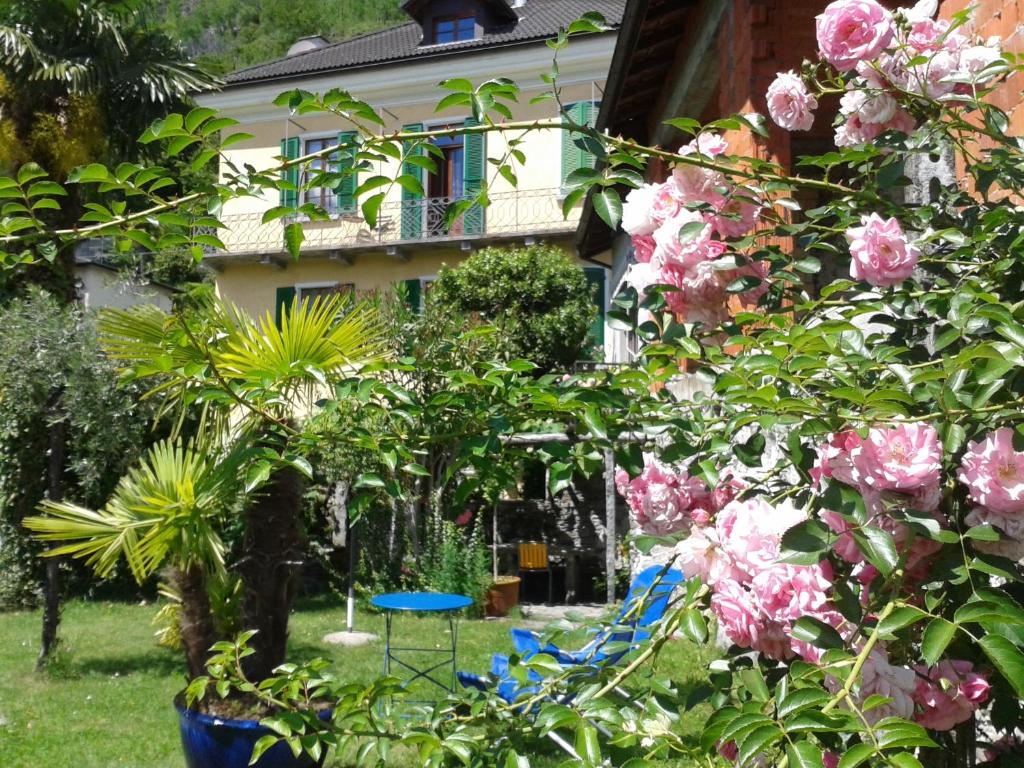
point(106, 701)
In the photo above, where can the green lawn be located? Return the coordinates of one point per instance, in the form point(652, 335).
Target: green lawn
point(107, 700)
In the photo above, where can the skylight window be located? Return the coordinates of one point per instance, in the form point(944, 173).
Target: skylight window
point(454, 29)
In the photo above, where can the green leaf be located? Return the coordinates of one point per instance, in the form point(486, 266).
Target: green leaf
point(608, 205)
point(757, 742)
point(804, 754)
point(878, 547)
point(801, 699)
point(695, 626)
point(1007, 658)
point(817, 633)
point(856, 755)
point(901, 617)
point(587, 745)
point(937, 636)
point(293, 237)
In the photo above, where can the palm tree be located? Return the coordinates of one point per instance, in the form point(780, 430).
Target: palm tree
point(254, 383)
point(80, 80)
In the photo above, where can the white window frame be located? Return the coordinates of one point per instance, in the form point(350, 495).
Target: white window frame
point(313, 136)
point(300, 287)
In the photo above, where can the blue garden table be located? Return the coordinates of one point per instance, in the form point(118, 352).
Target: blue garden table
point(422, 602)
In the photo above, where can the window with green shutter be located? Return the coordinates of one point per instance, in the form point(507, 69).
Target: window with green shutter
point(412, 203)
point(289, 193)
point(475, 170)
point(346, 192)
point(574, 156)
point(413, 293)
point(596, 277)
point(283, 302)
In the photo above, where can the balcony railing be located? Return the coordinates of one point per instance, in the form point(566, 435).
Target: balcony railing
point(513, 214)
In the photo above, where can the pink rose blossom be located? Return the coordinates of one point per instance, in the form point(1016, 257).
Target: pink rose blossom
point(902, 458)
point(698, 185)
point(901, 121)
point(787, 592)
point(880, 677)
point(790, 104)
point(993, 472)
point(636, 211)
point(948, 694)
point(710, 144)
point(667, 201)
point(642, 276)
point(975, 61)
point(464, 518)
point(932, 78)
point(854, 131)
point(880, 251)
point(830, 760)
point(738, 214)
point(745, 624)
point(659, 499)
point(871, 107)
point(929, 35)
point(834, 457)
point(701, 296)
point(1011, 543)
point(643, 248)
point(669, 248)
point(851, 31)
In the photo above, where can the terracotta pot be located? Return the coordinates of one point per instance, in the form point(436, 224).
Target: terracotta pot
point(502, 596)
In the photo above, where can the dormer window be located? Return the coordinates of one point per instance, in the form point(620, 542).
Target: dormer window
point(454, 29)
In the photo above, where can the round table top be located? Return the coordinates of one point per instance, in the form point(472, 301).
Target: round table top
point(420, 601)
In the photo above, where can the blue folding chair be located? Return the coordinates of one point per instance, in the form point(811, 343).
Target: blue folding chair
point(644, 606)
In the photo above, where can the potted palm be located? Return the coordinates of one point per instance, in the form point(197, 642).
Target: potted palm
point(249, 384)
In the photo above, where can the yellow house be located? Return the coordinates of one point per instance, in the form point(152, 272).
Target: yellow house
point(397, 71)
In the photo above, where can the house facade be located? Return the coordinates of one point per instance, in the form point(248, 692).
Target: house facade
point(397, 71)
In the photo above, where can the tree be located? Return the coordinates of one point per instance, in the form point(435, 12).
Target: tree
point(253, 383)
point(536, 298)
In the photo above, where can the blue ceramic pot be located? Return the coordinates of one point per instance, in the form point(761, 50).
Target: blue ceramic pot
point(215, 742)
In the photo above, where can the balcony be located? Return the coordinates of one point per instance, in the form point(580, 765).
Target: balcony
point(522, 213)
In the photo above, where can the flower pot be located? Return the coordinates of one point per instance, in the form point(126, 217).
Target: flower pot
point(502, 596)
point(214, 742)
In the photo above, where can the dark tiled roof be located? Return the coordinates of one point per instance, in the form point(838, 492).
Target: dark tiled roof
point(538, 19)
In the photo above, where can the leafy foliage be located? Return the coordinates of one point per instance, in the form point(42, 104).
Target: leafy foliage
point(536, 298)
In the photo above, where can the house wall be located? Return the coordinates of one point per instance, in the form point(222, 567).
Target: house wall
point(106, 288)
point(403, 94)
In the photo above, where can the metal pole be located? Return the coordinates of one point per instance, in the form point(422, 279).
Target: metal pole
point(609, 525)
point(350, 614)
point(494, 542)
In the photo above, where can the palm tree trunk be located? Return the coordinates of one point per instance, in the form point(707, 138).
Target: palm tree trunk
point(55, 492)
point(196, 624)
point(272, 547)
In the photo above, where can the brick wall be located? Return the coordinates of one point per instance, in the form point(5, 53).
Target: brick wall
point(1005, 19)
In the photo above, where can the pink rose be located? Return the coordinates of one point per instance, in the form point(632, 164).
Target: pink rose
point(830, 760)
point(851, 31)
point(948, 693)
point(994, 473)
point(671, 250)
point(854, 131)
point(667, 201)
point(929, 35)
point(834, 457)
point(787, 592)
point(643, 248)
point(698, 185)
point(896, 683)
point(976, 60)
point(790, 104)
point(660, 498)
point(871, 107)
point(745, 624)
point(881, 254)
point(464, 518)
point(902, 458)
point(738, 215)
point(642, 276)
point(1011, 545)
point(636, 211)
point(710, 144)
point(932, 78)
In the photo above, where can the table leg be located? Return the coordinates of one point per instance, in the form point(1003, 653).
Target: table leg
point(453, 630)
point(387, 643)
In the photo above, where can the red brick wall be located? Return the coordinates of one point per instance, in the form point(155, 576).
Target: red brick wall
point(1005, 19)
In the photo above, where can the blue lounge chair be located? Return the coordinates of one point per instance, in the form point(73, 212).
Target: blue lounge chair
point(645, 605)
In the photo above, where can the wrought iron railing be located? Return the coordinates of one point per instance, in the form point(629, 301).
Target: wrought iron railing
point(513, 214)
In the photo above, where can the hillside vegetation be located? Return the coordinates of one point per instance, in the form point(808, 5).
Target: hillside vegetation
point(224, 35)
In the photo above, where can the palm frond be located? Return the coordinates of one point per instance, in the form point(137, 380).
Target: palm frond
point(164, 508)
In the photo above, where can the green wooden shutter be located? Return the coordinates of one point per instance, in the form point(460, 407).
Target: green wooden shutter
point(290, 149)
point(573, 156)
point(346, 191)
point(412, 204)
point(413, 293)
point(475, 172)
point(595, 280)
point(284, 301)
